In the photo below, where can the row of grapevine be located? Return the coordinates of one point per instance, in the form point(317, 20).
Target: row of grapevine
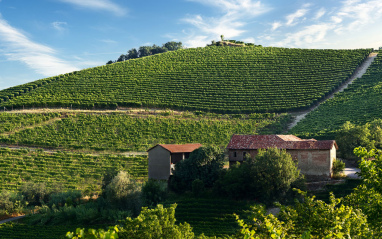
point(218, 79)
point(11, 122)
point(22, 230)
point(359, 103)
point(72, 171)
point(123, 132)
point(213, 217)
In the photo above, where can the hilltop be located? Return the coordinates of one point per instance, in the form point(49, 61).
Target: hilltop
point(217, 79)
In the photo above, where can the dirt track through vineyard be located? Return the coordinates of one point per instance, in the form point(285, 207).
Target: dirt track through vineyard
point(298, 116)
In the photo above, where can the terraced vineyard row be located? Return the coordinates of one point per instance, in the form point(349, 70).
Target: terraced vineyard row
point(73, 171)
point(219, 79)
point(213, 217)
point(359, 103)
point(22, 230)
point(123, 132)
point(11, 122)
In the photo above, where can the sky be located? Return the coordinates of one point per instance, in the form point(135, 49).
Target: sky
point(43, 38)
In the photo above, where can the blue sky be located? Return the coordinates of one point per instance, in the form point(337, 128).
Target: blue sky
point(42, 38)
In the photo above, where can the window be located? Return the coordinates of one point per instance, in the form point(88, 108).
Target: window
point(244, 154)
point(234, 154)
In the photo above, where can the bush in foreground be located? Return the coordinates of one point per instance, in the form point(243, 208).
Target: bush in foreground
point(267, 178)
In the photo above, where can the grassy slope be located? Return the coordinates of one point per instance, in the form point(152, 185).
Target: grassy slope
point(359, 103)
point(123, 132)
point(72, 171)
point(219, 79)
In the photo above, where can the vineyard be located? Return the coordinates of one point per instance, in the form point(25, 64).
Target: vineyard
point(72, 171)
point(217, 79)
point(22, 230)
point(123, 132)
point(213, 217)
point(359, 103)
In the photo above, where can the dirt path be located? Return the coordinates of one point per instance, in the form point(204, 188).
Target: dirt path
point(11, 219)
point(50, 121)
point(298, 116)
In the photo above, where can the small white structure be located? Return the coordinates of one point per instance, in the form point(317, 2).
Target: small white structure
point(163, 157)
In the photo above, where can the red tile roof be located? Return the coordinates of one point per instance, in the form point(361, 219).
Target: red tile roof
point(179, 148)
point(277, 141)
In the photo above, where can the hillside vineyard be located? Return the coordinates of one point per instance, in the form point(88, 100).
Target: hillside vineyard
point(217, 79)
point(359, 103)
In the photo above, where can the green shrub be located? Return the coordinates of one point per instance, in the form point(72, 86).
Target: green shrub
point(11, 202)
point(197, 187)
point(154, 192)
point(338, 167)
point(124, 192)
point(35, 193)
point(204, 163)
point(69, 198)
point(266, 178)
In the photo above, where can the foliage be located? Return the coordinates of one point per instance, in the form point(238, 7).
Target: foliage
point(69, 198)
point(368, 196)
point(154, 192)
point(197, 187)
point(333, 220)
point(11, 202)
point(155, 223)
point(124, 192)
point(217, 79)
point(204, 163)
point(359, 103)
point(99, 211)
point(148, 51)
point(267, 177)
point(350, 136)
point(35, 193)
point(61, 171)
point(124, 132)
point(338, 167)
point(307, 219)
point(112, 233)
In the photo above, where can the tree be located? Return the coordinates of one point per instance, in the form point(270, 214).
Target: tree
point(351, 136)
point(204, 163)
point(132, 53)
point(267, 177)
point(173, 46)
point(124, 192)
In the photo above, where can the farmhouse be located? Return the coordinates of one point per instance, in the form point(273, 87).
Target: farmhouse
point(163, 157)
point(315, 158)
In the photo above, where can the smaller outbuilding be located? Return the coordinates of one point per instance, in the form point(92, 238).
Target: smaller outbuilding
point(163, 157)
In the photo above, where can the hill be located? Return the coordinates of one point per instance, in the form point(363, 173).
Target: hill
point(217, 79)
point(129, 131)
point(359, 103)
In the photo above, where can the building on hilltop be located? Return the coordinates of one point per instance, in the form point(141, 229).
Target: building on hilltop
point(163, 157)
point(314, 157)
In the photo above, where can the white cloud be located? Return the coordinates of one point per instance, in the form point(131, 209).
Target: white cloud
point(108, 41)
point(292, 18)
point(235, 16)
point(106, 5)
point(276, 25)
point(310, 34)
point(59, 26)
point(353, 24)
point(320, 13)
point(17, 47)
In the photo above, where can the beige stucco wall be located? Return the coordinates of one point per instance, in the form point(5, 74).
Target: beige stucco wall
point(314, 162)
point(310, 162)
point(159, 163)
